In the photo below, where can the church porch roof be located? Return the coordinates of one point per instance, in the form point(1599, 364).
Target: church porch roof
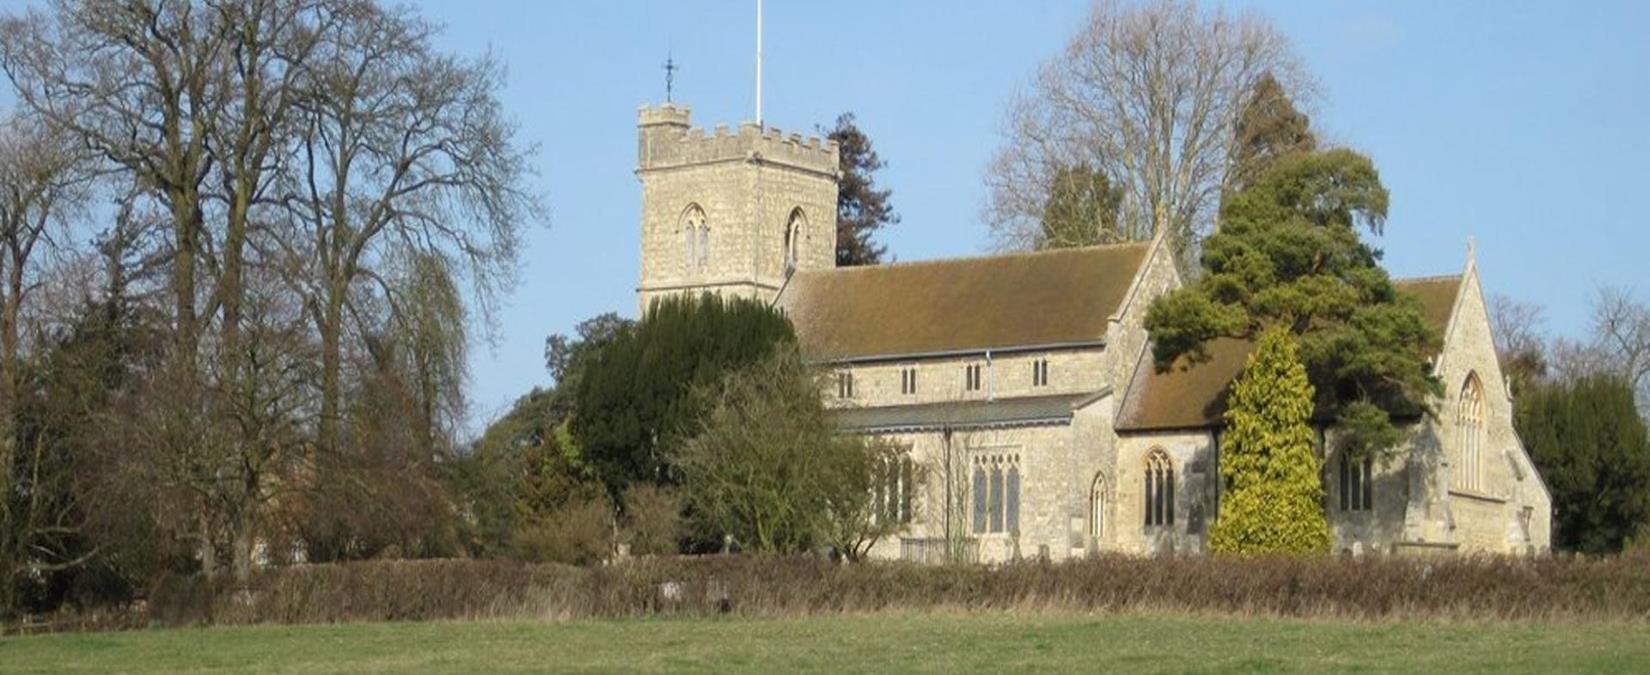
point(1194, 397)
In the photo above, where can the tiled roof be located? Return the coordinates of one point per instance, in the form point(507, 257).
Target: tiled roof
point(1195, 397)
point(995, 302)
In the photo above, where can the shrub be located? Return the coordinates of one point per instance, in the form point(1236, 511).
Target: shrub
point(1464, 588)
point(579, 533)
point(769, 467)
point(1594, 453)
point(653, 520)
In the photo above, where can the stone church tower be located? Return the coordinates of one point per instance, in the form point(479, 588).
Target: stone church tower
point(731, 213)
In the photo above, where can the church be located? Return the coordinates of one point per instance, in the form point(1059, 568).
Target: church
point(1022, 384)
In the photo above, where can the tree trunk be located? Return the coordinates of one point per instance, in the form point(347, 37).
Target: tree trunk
point(245, 539)
point(11, 534)
point(205, 550)
point(243, 436)
point(331, 363)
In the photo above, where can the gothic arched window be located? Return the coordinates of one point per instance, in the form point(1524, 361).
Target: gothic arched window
point(794, 226)
point(695, 239)
point(1097, 508)
point(1469, 435)
point(997, 493)
point(1159, 488)
point(1357, 482)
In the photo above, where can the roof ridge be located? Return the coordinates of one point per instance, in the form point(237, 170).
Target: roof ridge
point(988, 256)
point(1435, 277)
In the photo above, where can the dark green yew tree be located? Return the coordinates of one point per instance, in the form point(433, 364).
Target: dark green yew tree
point(1591, 447)
point(637, 394)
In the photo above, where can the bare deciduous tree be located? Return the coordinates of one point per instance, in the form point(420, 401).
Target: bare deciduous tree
point(321, 173)
point(1519, 344)
point(1150, 95)
point(1621, 329)
point(43, 183)
point(404, 152)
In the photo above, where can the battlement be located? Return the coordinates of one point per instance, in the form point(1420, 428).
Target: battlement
point(668, 139)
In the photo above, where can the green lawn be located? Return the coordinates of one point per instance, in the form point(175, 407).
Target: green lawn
point(874, 643)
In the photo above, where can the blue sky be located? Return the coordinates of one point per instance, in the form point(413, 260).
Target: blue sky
point(1526, 126)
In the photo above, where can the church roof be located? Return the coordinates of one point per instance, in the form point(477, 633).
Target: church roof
point(1195, 397)
point(1025, 300)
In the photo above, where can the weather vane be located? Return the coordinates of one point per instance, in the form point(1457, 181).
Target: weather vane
point(670, 74)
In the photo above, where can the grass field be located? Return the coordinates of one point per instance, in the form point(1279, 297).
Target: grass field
point(864, 643)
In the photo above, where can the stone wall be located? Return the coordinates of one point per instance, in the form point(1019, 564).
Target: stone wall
point(941, 379)
point(748, 182)
point(1126, 337)
point(1491, 516)
point(1044, 455)
point(1196, 473)
point(1375, 529)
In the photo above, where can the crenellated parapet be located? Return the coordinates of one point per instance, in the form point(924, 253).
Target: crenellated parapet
point(668, 140)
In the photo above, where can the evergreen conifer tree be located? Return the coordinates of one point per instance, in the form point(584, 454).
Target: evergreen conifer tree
point(1273, 502)
point(1594, 454)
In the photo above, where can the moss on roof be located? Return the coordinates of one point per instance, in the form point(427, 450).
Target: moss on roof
point(993, 302)
point(1194, 396)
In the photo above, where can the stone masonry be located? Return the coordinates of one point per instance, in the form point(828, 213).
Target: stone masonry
point(751, 185)
point(739, 212)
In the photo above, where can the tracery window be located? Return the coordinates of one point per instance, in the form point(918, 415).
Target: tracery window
point(1469, 436)
point(1159, 489)
point(891, 496)
point(996, 493)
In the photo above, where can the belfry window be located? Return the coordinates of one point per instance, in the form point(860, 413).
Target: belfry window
point(908, 380)
point(695, 239)
point(793, 237)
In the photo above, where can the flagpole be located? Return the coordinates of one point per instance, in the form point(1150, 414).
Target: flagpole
point(758, 63)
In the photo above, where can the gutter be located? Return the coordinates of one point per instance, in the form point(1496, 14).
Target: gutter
point(944, 353)
point(940, 426)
